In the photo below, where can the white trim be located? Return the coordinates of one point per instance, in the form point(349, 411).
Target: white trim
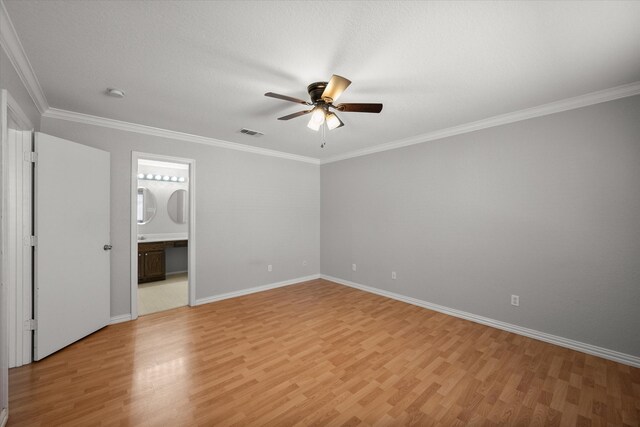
point(15, 52)
point(54, 113)
point(616, 356)
point(253, 290)
point(17, 209)
point(4, 294)
point(173, 273)
point(592, 98)
point(135, 156)
point(119, 319)
point(19, 116)
point(4, 417)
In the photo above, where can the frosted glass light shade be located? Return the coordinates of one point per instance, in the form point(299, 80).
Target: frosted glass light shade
point(317, 119)
point(314, 125)
point(333, 121)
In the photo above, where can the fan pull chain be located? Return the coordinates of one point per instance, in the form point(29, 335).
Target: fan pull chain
point(324, 141)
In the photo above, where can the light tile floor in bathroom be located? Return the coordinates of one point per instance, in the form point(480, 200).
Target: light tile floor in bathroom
point(163, 295)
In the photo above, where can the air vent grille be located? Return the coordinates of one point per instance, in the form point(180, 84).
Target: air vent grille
point(251, 132)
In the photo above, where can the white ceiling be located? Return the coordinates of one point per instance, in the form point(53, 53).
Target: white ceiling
point(203, 67)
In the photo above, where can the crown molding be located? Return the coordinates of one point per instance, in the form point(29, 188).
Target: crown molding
point(71, 116)
point(11, 44)
point(592, 98)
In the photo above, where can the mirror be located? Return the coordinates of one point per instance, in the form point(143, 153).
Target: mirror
point(178, 207)
point(146, 205)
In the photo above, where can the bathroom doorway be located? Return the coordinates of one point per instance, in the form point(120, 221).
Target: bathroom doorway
point(163, 224)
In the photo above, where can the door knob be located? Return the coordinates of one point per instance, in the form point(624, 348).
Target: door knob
point(107, 247)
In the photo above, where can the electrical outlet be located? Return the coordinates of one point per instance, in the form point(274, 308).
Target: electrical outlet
point(515, 300)
point(353, 267)
point(269, 267)
point(393, 275)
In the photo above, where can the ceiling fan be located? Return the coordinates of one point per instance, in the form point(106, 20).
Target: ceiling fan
point(323, 95)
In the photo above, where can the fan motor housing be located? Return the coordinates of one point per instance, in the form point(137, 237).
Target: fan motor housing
point(315, 91)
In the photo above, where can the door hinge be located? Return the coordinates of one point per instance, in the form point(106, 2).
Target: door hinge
point(30, 325)
point(31, 241)
point(30, 156)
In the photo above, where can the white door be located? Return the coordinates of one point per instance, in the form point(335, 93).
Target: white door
point(72, 260)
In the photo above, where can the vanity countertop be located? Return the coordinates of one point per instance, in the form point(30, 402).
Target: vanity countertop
point(165, 237)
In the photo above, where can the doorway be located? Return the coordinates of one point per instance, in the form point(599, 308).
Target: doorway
point(162, 233)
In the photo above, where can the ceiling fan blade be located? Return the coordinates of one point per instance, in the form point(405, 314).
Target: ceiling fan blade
point(286, 98)
point(294, 115)
point(334, 89)
point(359, 108)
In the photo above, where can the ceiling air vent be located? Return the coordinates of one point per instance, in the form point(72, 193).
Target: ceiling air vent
point(251, 132)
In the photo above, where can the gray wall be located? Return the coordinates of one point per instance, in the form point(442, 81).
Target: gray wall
point(177, 260)
point(547, 209)
point(251, 210)
point(10, 81)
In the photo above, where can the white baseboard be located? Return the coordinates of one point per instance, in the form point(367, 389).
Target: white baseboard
point(616, 356)
point(176, 272)
point(4, 416)
point(119, 319)
point(126, 317)
point(248, 291)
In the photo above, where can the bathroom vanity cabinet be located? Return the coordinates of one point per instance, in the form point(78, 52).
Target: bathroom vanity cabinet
point(152, 259)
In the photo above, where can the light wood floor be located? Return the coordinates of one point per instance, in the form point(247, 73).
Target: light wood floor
point(318, 353)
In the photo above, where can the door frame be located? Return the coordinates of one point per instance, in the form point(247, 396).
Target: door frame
point(10, 108)
point(191, 233)
point(17, 280)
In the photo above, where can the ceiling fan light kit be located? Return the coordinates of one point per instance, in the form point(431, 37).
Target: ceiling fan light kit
point(323, 95)
point(333, 121)
point(317, 118)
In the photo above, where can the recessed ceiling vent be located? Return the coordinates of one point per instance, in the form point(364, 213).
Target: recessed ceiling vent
point(251, 132)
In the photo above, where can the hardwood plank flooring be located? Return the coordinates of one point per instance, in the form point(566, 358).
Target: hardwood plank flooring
point(318, 353)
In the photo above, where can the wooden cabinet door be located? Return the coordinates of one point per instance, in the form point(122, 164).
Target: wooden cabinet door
point(140, 265)
point(154, 265)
